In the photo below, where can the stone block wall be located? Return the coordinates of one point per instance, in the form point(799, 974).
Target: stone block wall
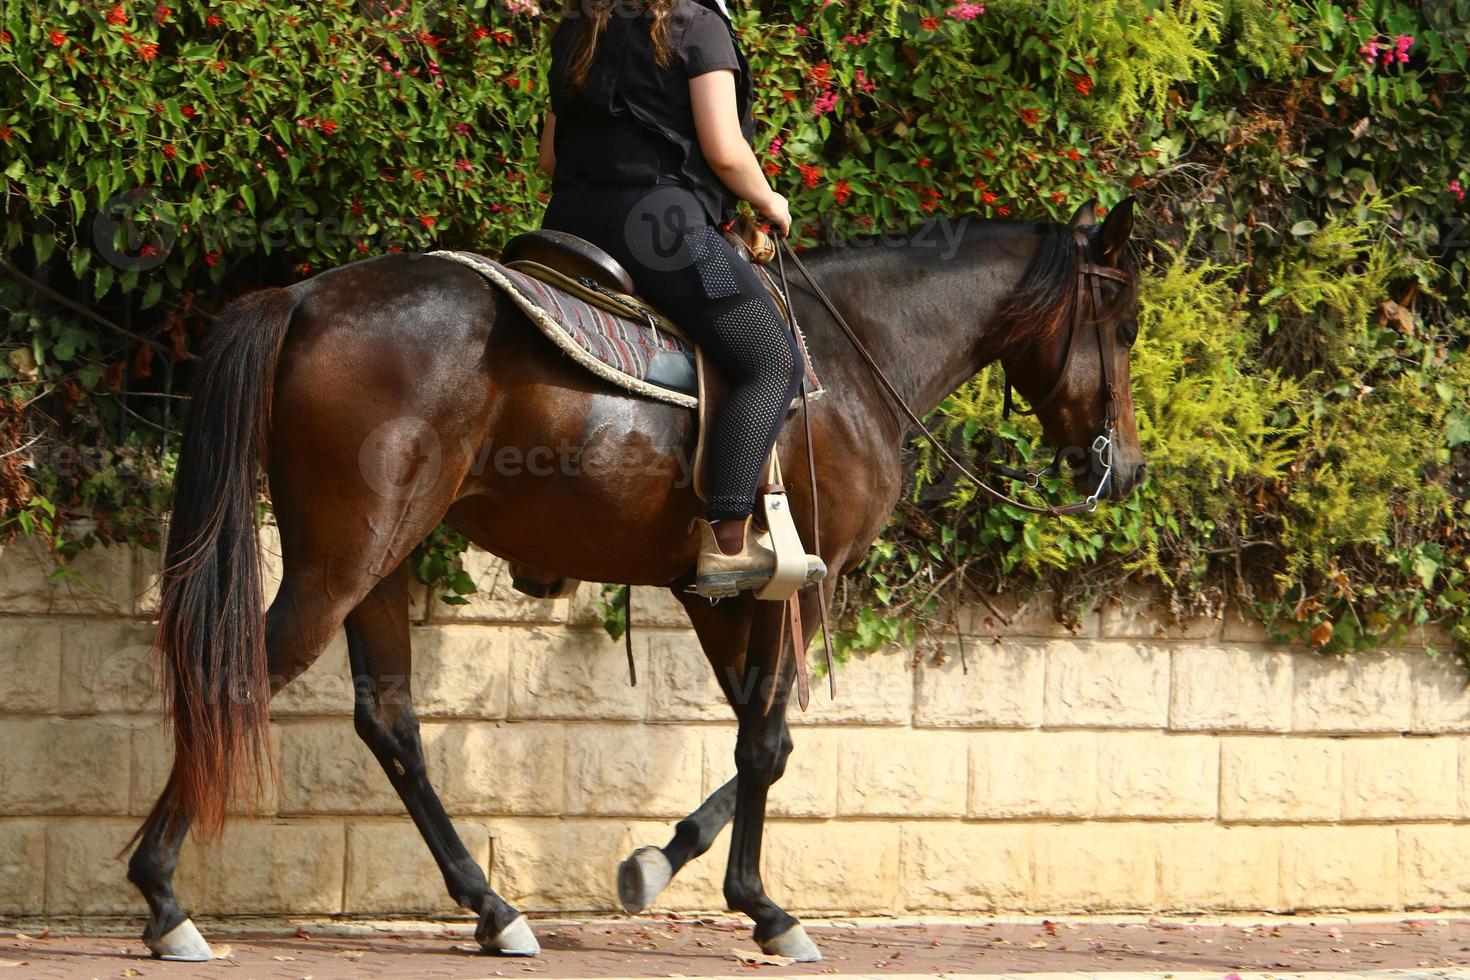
point(1130, 766)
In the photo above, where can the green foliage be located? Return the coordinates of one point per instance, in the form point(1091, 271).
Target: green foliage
point(1300, 377)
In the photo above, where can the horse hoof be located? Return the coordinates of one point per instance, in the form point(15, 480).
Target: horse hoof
point(515, 939)
point(181, 944)
point(642, 877)
point(793, 943)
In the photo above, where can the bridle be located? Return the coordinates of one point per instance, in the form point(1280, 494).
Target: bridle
point(1089, 276)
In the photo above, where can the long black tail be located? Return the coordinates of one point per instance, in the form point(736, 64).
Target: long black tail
point(211, 631)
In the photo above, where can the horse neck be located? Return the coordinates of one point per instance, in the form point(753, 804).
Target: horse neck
point(924, 306)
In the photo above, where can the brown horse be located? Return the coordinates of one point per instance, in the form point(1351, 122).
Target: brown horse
point(374, 393)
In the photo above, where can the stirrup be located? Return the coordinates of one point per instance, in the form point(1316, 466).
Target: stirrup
point(719, 576)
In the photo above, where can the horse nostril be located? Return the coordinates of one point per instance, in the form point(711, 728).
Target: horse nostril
point(1140, 474)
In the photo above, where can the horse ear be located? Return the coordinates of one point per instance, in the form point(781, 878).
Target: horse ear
point(1115, 230)
point(1086, 214)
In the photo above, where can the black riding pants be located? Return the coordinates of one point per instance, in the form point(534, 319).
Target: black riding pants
point(681, 264)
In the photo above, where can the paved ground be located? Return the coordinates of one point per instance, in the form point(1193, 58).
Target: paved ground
point(708, 947)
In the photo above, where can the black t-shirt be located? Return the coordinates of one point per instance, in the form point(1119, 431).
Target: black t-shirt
point(631, 122)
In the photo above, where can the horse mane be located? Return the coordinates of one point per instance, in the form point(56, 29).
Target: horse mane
point(1039, 307)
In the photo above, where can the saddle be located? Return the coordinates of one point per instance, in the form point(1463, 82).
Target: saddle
point(659, 360)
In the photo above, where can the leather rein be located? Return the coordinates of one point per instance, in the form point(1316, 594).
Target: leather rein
point(1089, 275)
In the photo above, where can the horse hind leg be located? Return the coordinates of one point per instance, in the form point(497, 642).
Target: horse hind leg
point(336, 551)
point(298, 628)
point(379, 648)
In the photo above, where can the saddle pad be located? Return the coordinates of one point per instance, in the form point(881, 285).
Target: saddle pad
point(621, 349)
point(627, 352)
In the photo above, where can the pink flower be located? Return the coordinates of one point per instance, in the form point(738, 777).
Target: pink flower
point(464, 165)
point(1458, 189)
point(462, 129)
point(825, 103)
point(1369, 51)
point(1401, 46)
point(776, 144)
point(864, 83)
point(964, 10)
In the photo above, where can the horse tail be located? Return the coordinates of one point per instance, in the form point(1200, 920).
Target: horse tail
point(211, 631)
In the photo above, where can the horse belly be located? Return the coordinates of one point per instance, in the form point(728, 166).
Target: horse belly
point(591, 485)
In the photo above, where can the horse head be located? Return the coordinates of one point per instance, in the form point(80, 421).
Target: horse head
point(1074, 364)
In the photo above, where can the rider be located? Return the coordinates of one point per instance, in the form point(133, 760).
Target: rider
point(648, 145)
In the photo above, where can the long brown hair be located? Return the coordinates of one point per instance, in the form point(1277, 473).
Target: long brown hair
point(593, 16)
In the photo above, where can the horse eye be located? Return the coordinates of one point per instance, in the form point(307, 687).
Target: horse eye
point(1128, 332)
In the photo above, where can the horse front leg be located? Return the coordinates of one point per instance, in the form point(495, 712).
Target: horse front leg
point(761, 750)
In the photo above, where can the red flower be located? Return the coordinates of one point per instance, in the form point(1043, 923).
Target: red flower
point(304, 269)
point(200, 169)
point(189, 112)
point(1003, 211)
point(987, 197)
point(213, 20)
point(923, 161)
point(788, 96)
point(5, 37)
point(1073, 155)
point(170, 152)
point(428, 220)
point(811, 174)
point(772, 168)
point(211, 258)
point(1058, 197)
point(479, 33)
point(5, 135)
point(162, 13)
point(148, 51)
point(117, 16)
point(327, 126)
point(1083, 84)
point(929, 23)
point(819, 72)
point(58, 38)
point(513, 82)
point(841, 191)
point(1029, 116)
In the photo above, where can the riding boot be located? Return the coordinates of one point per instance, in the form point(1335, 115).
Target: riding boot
point(719, 575)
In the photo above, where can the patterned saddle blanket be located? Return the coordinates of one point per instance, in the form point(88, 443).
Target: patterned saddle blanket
point(636, 349)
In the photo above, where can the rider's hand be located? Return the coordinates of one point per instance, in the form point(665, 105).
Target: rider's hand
point(777, 211)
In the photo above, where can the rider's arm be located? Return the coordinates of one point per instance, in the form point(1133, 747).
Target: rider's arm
point(717, 124)
point(547, 152)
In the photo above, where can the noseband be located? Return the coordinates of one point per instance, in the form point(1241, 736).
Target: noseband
point(1089, 276)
